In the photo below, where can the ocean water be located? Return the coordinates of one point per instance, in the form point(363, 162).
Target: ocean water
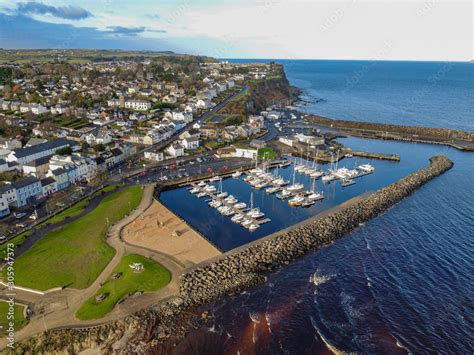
point(401, 283)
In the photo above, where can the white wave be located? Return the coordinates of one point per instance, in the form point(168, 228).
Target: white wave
point(318, 279)
point(331, 347)
point(254, 317)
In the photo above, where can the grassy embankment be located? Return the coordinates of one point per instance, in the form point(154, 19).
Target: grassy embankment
point(19, 320)
point(152, 278)
point(75, 254)
point(72, 211)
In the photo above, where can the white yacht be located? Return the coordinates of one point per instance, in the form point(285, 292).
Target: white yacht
point(366, 168)
point(231, 200)
point(201, 184)
point(210, 188)
point(272, 189)
point(237, 174)
point(283, 194)
point(195, 190)
point(327, 178)
point(307, 203)
point(201, 194)
point(222, 194)
point(296, 201)
point(240, 205)
point(253, 227)
point(246, 222)
point(215, 178)
point(255, 213)
point(237, 218)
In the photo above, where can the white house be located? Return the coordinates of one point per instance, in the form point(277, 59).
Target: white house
point(246, 153)
point(138, 105)
point(175, 150)
point(27, 154)
point(190, 143)
point(154, 155)
point(4, 209)
point(286, 140)
point(49, 186)
point(38, 109)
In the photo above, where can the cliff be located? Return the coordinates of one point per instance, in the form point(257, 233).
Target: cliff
point(274, 89)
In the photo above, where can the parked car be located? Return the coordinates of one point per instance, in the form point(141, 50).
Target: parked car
point(20, 215)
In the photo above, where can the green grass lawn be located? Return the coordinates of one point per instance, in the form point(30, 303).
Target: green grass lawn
point(75, 254)
point(19, 320)
point(18, 240)
point(153, 277)
point(70, 212)
point(267, 153)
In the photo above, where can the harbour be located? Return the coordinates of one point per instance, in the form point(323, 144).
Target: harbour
point(283, 194)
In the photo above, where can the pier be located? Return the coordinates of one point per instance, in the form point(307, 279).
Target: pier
point(213, 196)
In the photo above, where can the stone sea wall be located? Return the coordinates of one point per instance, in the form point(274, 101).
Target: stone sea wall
point(236, 271)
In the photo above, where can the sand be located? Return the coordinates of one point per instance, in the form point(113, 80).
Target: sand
point(162, 231)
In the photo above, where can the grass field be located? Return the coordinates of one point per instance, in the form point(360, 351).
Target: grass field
point(75, 254)
point(267, 153)
point(19, 320)
point(153, 277)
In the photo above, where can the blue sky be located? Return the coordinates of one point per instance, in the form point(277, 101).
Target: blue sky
point(307, 29)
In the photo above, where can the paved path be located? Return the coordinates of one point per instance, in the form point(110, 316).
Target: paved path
point(57, 309)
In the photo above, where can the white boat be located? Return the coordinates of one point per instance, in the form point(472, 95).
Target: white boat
point(195, 190)
point(347, 182)
point(222, 194)
point(255, 213)
point(261, 185)
point(328, 178)
point(201, 184)
point(272, 189)
point(307, 203)
point(231, 200)
point(296, 201)
point(246, 222)
point(283, 194)
point(316, 174)
point(215, 178)
point(237, 218)
point(366, 167)
point(240, 205)
point(237, 174)
point(253, 227)
point(210, 188)
point(201, 194)
point(295, 187)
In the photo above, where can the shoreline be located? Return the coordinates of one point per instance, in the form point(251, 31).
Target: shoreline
point(234, 273)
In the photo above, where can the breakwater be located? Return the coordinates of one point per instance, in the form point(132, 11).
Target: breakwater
point(458, 139)
point(237, 271)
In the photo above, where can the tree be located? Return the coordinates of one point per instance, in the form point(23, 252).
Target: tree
point(99, 147)
point(64, 151)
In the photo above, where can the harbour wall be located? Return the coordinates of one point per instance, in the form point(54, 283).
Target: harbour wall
point(234, 272)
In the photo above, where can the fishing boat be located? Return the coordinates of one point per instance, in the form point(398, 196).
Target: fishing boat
point(347, 182)
point(366, 168)
point(296, 201)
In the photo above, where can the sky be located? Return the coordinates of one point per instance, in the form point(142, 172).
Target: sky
point(281, 29)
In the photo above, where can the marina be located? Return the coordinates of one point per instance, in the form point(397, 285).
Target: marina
point(284, 195)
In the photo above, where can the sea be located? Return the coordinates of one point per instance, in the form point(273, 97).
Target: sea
point(401, 283)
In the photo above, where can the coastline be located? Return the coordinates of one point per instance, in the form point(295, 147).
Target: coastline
point(234, 273)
